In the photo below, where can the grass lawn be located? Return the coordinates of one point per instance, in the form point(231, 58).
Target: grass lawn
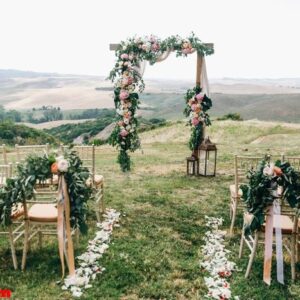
point(155, 253)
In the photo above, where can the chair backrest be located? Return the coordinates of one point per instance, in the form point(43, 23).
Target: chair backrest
point(87, 155)
point(242, 164)
point(294, 161)
point(24, 151)
point(3, 155)
point(5, 172)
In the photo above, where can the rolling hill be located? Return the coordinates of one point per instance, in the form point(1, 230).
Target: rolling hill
point(263, 99)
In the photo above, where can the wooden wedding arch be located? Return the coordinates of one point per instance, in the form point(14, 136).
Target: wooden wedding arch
point(128, 69)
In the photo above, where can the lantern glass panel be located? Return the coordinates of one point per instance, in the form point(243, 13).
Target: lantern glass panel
point(207, 165)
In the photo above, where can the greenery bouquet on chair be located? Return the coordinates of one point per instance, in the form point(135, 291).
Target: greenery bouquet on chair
point(263, 187)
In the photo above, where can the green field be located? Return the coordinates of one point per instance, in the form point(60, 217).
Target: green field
point(155, 253)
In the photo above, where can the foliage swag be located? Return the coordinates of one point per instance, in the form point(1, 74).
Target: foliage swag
point(37, 169)
point(258, 194)
point(128, 82)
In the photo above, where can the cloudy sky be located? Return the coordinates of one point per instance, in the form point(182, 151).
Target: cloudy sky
point(253, 38)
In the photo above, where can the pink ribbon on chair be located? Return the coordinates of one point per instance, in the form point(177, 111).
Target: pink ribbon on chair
point(65, 243)
point(273, 210)
point(268, 246)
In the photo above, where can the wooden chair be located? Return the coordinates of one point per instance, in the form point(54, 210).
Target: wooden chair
point(5, 172)
point(87, 155)
point(16, 229)
point(242, 164)
point(3, 156)
point(24, 151)
point(40, 217)
point(287, 222)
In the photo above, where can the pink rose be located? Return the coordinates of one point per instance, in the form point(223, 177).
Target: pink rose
point(155, 47)
point(124, 95)
point(199, 96)
point(120, 123)
point(195, 121)
point(124, 133)
point(124, 56)
point(185, 51)
point(194, 107)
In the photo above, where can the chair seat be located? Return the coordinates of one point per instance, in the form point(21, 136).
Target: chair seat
point(17, 211)
point(43, 213)
point(233, 191)
point(283, 222)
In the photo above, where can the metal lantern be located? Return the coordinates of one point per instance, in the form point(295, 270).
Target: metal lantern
point(192, 166)
point(207, 158)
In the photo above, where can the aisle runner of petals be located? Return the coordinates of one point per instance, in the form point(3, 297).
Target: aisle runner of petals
point(89, 265)
point(215, 261)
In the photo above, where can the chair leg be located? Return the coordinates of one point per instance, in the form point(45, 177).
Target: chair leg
point(252, 255)
point(234, 211)
point(242, 243)
point(102, 200)
point(12, 247)
point(40, 239)
point(25, 249)
point(293, 257)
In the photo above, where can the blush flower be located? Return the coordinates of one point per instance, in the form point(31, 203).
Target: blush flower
point(124, 95)
point(124, 133)
point(195, 121)
point(124, 56)
point(200, 96)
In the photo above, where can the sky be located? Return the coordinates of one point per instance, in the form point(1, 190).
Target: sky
point(253, 38)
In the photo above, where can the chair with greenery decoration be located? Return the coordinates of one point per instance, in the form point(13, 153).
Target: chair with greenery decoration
point(259, 195)
point(242, 164)
point(87, 155)
point(24, 151)
point(14, 228)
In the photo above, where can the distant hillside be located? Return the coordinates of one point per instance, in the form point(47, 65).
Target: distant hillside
point(285, 108)
point(11, 134)
point(263, 99)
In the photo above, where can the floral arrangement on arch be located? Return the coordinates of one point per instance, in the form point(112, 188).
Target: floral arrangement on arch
point(197, 103)
point(128, 83)
point(264, 183)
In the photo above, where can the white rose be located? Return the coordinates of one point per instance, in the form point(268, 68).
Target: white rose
point(269, 170)
point(126, 121)
point(128, 127)
point(63, 165)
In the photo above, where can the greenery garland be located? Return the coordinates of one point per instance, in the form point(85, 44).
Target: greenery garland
point(128, 82)
point(38, 169)
point(258, 194)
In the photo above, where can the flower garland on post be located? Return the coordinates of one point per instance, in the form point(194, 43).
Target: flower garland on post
point(197, 103)
point(258, 194)
point(128, 82)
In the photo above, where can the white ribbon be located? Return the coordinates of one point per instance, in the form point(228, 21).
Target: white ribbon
point(278, 238)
